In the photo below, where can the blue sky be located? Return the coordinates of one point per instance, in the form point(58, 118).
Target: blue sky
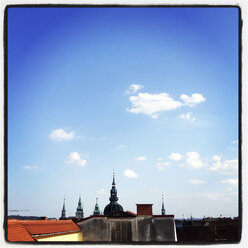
point(149, 92)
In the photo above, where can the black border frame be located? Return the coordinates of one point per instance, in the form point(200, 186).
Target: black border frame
point(5, 105)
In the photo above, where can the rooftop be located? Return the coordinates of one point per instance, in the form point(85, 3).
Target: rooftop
point(26, 230)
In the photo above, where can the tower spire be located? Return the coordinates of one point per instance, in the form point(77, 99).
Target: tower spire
point(96, 210)
point(80, 212)
point(113, 208)
point(64, 204)
point(113, 177)
point(163, 210)
point(63, 216)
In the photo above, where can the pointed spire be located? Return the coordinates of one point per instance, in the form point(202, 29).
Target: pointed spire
point(64, 204)
point(113, 177)
point(163, 210)
point(96, 210)
point(113, 208)
point(63, 216)
point(80, 212)
point(113, 191)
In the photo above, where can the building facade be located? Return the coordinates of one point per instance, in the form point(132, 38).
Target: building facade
point(144, 227)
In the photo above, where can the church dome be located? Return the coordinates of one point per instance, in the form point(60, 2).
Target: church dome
point(113, 208)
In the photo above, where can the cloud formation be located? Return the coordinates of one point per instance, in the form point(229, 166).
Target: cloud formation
point(130, 174)
point(175, 156)
point(141, 158)
point(60, 135)
point(231, 181)
point(193, 160)
point(100, 191)
point(75, 159)
point(196, 182)
point(187, 116)
point(133, 88)
point(192, 100)
point(33, 168)
point(153, 104)
point(227, 167)
point(161, 165)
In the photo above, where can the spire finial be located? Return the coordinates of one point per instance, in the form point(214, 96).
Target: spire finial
point(97, 200)
point(64, 204)
point(113, 177)
point(63, 216)
point(163, 210)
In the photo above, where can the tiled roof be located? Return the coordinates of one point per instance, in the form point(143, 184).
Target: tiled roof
point(49, 226)
point(18, 233)
point(17, 228)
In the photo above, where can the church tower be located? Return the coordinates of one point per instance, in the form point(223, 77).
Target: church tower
point(113, 208)
point(163, 210)
point(96, 210)
point(63, 216)
point(80, 212)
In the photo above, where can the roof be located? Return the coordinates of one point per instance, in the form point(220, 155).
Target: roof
point(38, 227)
point(131, 213)
point(17, 232)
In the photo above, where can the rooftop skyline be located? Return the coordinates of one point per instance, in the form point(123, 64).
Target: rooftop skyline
point(151, 93)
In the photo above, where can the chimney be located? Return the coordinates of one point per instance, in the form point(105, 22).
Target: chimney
point(144, 209)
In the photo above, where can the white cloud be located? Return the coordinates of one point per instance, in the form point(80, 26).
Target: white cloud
point(152, 104)
point(60, 135)
point(141, 158)
point(75, 158)
point(160, 159)
point(196, 182)
point(100, 191)
point(213, 196)
point(130, 174)
point(175, 156)
point(187, 117)
point(33, 168)
point(193, 99)
point(231, 181)
point(133, 88)
point(193, 160)
point(227, 167)
point(121, 147)
point(161, 165)
point(235, 142)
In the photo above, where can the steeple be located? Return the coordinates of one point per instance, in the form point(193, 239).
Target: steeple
point(63, 216)
point(96, 210)
point(113, 178)
point(113, 192)
point(80, 212)
point(113, 208)
point(163, 210)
